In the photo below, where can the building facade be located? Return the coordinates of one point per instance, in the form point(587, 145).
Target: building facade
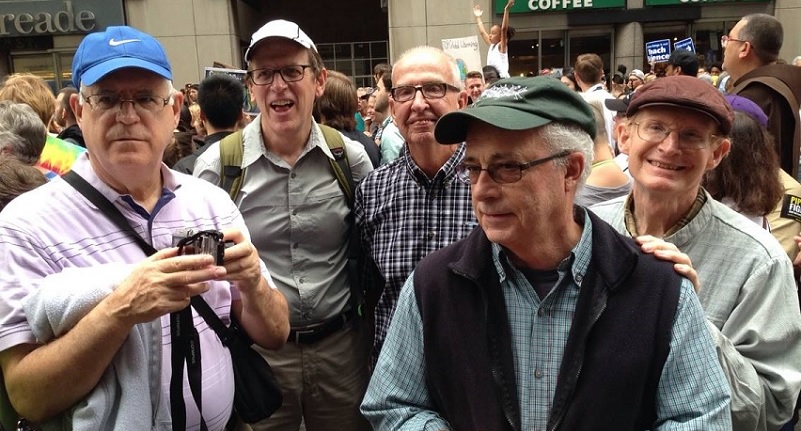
point(41, 36)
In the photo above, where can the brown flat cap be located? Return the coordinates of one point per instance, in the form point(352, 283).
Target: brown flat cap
point(684, 92)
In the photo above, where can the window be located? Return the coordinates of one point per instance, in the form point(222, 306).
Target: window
point(355, 59)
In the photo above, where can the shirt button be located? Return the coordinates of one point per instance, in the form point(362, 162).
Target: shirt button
point(295, 245)
point(294, 212)
point(579, 278)
point(293, 175)
point(541, 312)
point(302, 280)
point(538, 373)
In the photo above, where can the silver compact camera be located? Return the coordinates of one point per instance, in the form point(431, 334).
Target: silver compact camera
point(190, 241)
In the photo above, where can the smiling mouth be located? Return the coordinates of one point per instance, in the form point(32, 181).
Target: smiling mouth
point(665, 166)
point(281, 105)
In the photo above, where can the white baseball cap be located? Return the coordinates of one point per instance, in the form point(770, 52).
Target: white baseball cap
point(279, 28)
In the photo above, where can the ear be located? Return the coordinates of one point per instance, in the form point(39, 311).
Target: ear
point(575, 167)
point(178, 101)
point(623, 136)
point(77, 108)
point(320, 81)
point(462, 99)
point(718, 154)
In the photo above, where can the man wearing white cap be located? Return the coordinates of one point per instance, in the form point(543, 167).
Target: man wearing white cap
point(86, 336)
point(292, 202)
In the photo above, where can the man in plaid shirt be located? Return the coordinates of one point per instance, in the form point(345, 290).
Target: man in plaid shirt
point(414, 205)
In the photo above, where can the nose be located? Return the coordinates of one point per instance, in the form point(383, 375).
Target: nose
point(127, 112)
point(278, 82)
point(484, 187)
point(671, 142)
point(419, 102)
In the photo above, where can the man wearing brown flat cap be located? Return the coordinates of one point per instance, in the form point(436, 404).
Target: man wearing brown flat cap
point(677, 130)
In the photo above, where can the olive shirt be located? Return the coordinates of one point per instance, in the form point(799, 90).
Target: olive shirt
point(297, 216)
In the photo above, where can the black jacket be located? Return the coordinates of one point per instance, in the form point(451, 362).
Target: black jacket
point(617, 346)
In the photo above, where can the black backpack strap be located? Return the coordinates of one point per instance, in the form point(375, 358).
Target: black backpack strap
point(113, 214)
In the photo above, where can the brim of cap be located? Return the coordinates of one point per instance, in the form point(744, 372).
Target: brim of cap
point(452, 127)
point(616, 105)
point(260, 41)
point(676, 105)
point(98, 71)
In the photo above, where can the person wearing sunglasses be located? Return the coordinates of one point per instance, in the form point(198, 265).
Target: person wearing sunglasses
point(544, 317)
point(678, 129)
point(750, 56)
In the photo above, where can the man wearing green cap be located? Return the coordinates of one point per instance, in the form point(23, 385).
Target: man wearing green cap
point(544, 317)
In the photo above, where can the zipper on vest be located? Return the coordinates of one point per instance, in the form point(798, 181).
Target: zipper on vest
point(494, 365)
point(578, 372)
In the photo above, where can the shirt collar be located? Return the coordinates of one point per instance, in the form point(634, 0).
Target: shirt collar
point(631, 222)
point(576, 262)
point(252, 133)
point(445, 174)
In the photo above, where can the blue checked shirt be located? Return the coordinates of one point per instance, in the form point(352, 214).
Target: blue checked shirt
point(691, 380)
point(402, 216)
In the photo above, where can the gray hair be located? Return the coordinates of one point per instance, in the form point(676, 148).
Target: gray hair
point(558, 137)
point(26, 135)
point(430, 51)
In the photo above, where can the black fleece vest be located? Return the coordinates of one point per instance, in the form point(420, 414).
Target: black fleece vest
point(618, 342)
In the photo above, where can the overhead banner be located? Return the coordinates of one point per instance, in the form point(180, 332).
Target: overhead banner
point(658, 50)
point(537, 6)
point(466, 52)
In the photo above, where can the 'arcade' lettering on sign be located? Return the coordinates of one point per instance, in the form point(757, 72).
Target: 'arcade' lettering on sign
point(65, 21)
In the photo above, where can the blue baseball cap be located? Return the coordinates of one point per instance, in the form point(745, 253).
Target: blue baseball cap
point(116, 48)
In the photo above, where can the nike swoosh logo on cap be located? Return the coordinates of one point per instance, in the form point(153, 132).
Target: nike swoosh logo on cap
point(113, 42)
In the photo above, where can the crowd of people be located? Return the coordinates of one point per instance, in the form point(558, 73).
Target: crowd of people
point(576, 251)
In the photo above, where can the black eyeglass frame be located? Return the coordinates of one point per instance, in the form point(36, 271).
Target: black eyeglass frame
point(464, 175)
point(280, 71)
point(442, 86)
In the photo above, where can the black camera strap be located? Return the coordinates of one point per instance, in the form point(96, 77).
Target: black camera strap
point(185, 342)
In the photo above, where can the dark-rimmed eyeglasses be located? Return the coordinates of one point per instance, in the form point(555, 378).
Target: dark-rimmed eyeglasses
point(104, 102)
point(265, 76)
point(432, 90)
point(725, 39)
point(654, 132)
point(502, 173)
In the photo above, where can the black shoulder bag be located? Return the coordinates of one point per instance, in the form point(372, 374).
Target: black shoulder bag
point(257, 394)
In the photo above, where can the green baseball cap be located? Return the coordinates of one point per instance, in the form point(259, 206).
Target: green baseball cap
point(519, 103)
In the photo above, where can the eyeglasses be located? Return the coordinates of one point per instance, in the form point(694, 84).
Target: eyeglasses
point(502, 173)
point(725, 39)
point(432, 90)
point(654, 132)
point(266, 76)
point(104, 102)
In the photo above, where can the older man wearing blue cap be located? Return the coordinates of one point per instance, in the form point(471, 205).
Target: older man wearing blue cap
point(86, 336)
point(544, 317)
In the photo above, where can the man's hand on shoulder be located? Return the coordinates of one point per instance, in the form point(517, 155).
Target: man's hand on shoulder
point(664, 250)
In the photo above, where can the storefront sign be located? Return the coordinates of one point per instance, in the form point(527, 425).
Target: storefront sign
point(53, 17)
point(697, 2)
point(685, 44)
point(536, 6)
point(658, 50)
